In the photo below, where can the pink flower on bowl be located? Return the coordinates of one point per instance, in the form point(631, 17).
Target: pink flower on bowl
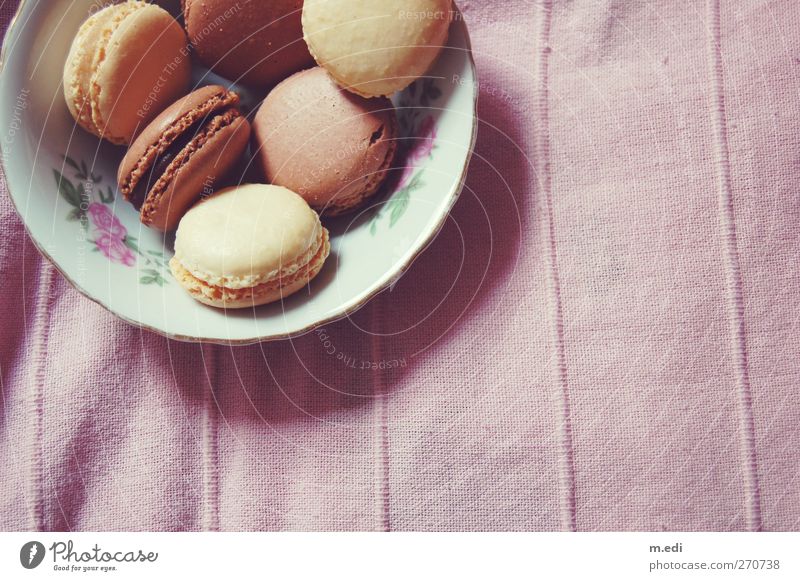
point(425, 140)
point(115, 250)
point(421, 147)
point(105, 221)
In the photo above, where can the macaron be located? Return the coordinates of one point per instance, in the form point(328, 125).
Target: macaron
point(127, 62)
point(182, 154)
point(247, 246)
point(330, 146)
point(257, 43)
point(376, 47)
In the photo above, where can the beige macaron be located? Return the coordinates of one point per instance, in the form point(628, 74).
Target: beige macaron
point(126, 64)
point(376, 47)
point(248, 246)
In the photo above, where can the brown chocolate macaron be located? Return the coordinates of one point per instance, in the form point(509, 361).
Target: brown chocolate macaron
point(332, 147)
point(183, 154)
point(257, 43)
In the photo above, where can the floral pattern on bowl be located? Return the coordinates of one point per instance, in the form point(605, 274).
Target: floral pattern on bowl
point(418, 140)
point(105, 231)
point(61, 181)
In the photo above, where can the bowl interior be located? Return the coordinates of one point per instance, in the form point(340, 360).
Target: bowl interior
point(62, 182)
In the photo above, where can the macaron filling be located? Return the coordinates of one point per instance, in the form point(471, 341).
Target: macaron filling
point(160, 166)
point(101, 51)
point(158, 157)
point(300, 272)
point(161, 185)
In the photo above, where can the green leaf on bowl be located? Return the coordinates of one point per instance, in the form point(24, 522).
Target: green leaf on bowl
point(130, 242)
point(85, 196)
point(107, 198)
point(399, 205)
point(82, 171)
point(76, 215)
point(68, 191)
point(72, 163)
point(152, 276)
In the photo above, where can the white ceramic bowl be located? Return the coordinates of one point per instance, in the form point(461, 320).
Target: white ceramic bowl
point(61, 180)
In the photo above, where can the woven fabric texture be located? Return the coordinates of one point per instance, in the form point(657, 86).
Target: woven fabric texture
point(603, 337)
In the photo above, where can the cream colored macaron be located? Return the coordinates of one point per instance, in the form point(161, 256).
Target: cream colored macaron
point(376, 47)
point(127, 63)
point(247, 246)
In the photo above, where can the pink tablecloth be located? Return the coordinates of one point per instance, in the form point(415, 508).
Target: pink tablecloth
point(605, 336)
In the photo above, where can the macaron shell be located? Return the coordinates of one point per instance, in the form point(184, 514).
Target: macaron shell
point(328, 145)
point(255, 43)
point(185, 279)
point(78, 70)
point(168, 125)
point(255, 296)
point(376, 48)
point(201, 172)
point(247, 235)
point(143, 67)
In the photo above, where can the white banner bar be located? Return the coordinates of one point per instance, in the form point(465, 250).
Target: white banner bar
point(354, 556)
